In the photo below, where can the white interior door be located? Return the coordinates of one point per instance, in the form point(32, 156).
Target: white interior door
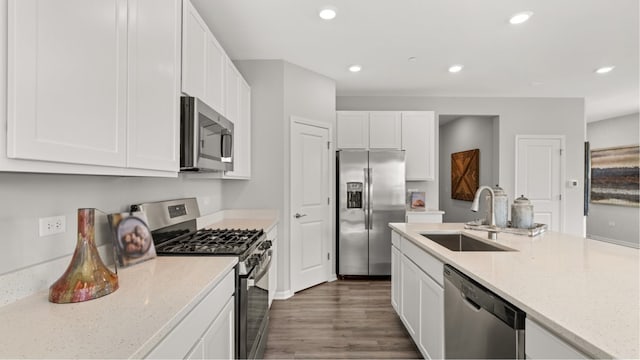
point(539, 177)
point(310, 209)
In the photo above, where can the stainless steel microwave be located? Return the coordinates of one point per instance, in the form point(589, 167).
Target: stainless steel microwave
point(206, 137)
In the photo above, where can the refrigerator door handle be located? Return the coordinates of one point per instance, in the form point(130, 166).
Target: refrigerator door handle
point(369, 201)
point(365, 200)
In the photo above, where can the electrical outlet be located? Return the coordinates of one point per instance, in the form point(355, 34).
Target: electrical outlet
point(53, 225)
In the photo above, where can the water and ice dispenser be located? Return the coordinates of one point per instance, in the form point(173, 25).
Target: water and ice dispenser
point(354, 195)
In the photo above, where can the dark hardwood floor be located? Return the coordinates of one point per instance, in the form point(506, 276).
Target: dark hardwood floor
point(339, 320)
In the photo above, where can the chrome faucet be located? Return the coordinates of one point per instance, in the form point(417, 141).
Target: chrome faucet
point(492, 234)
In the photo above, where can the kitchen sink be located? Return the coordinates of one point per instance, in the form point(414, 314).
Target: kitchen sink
point(461, 242)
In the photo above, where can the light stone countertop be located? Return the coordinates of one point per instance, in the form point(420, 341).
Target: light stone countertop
point(265, 219)
point(585, 291)
point(153, 297)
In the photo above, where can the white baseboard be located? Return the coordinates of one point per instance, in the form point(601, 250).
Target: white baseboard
point(283, 295)
point(332, 278)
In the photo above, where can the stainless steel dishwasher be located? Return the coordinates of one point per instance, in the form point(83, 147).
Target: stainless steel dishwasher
point(478, 323)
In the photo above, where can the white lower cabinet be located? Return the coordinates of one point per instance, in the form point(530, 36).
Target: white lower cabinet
point(431, 339)
point(395, 273)
point(273, 271)
point(541, 344)
point(410, 298)
point(416, 288)
point(207, 331)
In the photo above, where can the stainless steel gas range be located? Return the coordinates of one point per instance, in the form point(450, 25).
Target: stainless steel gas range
point(175, 233)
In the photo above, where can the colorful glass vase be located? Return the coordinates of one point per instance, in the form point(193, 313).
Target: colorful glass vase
point(87, 277)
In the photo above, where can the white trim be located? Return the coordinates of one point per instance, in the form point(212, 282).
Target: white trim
point(282, 295)
point(613, 241)
point(563, 166)
point(331, 176)
point(332, 278)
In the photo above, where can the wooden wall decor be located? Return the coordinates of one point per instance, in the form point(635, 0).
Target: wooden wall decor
point(465, 174)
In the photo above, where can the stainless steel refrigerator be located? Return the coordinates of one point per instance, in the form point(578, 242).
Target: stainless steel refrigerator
point(371, 195)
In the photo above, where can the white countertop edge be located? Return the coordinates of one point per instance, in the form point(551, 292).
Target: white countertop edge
point(155, 339)
point(575, 340)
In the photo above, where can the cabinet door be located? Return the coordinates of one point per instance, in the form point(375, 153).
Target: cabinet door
point(423, 218)
point(67, 81)
point(197, 353)
point(242, 136)
point(215, 62)
point(542, 344)
point(154, 84)
point(194, 44)
point(395, 279)
point(431, 334)
point(410, 297)
point(218, 341)
point(385, 130)
point(353, 129)
point(418, 141)
point(273, 271)
point(232, 92)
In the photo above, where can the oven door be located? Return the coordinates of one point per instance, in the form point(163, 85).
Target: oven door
point(254, 310)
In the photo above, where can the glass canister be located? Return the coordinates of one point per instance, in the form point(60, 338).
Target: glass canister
point(522, 213)
point(501, 202)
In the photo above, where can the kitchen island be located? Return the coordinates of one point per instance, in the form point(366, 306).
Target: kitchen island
point(153, 298)
point(585, 292)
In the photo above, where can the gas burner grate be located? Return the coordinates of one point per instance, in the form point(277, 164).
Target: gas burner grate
point(212, 241)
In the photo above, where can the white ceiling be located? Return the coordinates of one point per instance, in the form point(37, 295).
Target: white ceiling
point(554, 54)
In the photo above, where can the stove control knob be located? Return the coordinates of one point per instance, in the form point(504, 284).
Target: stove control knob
point(253, 260)
point(265, 245)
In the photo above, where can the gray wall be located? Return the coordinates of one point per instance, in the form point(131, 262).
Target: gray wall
point(610, 222)
point(518, 116)
point(26, 197)
point(279, 90)
point(465, 133)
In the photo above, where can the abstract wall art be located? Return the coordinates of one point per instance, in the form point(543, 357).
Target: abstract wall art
point(615, 176)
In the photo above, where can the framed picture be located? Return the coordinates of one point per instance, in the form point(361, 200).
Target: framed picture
point(418, 200)
point(465, 174)
point(615, 176)
point(132, 238)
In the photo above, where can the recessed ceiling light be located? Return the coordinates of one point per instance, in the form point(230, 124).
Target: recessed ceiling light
point(455, 68)
point(328, 13)
point(604, 69)
point(355, 68)
point(520, 17)
point(412, 59)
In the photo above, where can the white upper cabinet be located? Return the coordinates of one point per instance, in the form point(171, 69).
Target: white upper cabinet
point(203, 61)
point(369, 130)
point(419, 141)
point(385, 130)
point(154, 85)
point(412, 131)
point(214, 87)
point(353, 129)
point(79, 86)
point(67, 81)
point(242, 135)
point(232, 90)
point(194, 47)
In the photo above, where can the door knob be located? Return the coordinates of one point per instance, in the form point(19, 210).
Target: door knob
point(298, 215)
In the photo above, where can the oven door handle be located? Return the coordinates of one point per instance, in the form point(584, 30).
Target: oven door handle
point(265, 270)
